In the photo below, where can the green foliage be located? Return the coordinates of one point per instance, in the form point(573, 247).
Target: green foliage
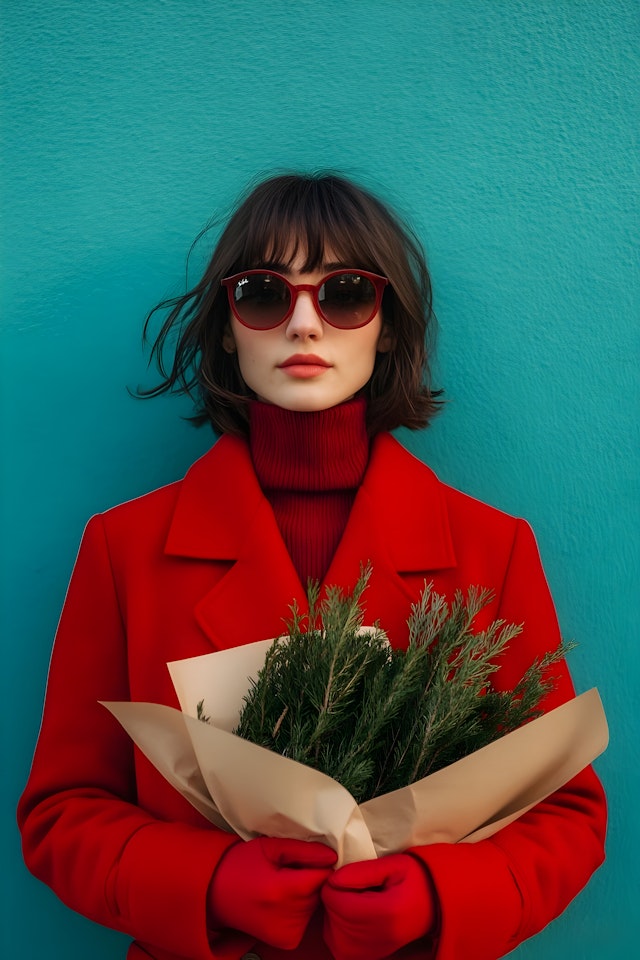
point(200, 712)
point(375, 718)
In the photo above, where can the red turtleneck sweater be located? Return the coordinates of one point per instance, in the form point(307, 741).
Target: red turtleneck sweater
point(310, 466)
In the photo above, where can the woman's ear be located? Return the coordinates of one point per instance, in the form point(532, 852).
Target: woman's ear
point(386, 340)
point(228, 340)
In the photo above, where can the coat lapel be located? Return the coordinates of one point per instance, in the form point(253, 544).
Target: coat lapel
point(399, 522)
point(222, 515)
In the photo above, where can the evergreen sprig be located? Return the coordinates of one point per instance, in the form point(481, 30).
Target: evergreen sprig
point(377, 718)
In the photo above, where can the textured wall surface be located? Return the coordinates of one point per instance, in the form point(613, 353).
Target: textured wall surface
point(504, 130)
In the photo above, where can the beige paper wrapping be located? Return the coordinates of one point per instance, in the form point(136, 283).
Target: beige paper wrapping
point(240, 786)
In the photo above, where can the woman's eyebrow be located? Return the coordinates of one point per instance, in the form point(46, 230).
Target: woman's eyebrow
point(334, 265)
point(285, 269)
point(274, 265)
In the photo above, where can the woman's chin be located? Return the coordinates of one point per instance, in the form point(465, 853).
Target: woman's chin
point(308, 404)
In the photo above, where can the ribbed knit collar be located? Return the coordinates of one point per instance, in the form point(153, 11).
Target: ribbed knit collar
point(318, 451)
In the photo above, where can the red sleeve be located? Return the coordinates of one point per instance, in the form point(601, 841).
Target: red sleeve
point(496, 893)
point(82, 832)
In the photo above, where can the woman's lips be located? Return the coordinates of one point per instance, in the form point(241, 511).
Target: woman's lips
point(303, 366)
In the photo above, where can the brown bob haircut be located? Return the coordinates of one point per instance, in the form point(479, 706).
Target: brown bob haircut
point(306, 214)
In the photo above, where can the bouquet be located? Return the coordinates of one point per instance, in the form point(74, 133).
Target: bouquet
point(371, 736)
point(374, 718)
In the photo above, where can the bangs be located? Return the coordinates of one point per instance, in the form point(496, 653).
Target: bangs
point(316, 219)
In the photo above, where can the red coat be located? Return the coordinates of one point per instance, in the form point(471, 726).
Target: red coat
point(200, 565)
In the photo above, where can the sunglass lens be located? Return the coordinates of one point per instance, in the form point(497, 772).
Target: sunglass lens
point(261, 300)
point(348, 299)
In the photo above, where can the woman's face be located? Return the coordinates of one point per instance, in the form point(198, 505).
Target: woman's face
point(306, 364)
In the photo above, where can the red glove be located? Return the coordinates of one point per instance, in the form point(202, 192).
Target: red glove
point(375, 907)
point(269, 888)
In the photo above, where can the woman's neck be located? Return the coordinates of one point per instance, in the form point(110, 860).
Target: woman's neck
point(320, 450)
point(310, 466)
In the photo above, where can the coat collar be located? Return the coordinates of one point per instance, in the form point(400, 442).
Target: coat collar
point(220, 504)
point(399, 521)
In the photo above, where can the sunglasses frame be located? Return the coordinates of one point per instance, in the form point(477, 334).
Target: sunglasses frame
point(379, 283)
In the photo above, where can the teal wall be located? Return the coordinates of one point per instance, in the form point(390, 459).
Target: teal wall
point(505, 130)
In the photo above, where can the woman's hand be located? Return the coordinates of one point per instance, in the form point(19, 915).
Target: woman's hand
point(269, 888)
point(375, 907)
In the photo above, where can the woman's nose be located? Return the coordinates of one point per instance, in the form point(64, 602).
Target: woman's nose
point(304, 323)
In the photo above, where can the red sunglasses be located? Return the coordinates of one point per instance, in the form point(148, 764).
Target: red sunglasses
point(263, 299)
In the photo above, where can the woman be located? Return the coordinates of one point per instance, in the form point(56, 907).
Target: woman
point(304, 343)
